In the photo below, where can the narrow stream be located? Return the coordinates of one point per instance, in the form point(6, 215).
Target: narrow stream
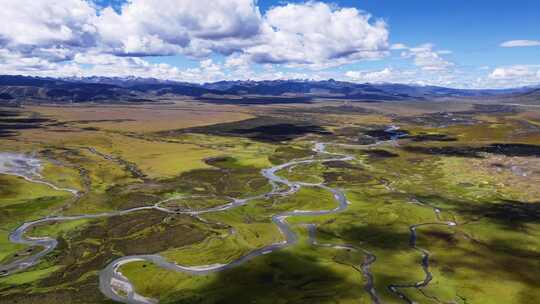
point(428, 276)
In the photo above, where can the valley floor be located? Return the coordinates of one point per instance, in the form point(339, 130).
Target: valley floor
point(329, 202)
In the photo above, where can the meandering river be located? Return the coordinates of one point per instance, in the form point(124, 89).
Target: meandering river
point(115, 286)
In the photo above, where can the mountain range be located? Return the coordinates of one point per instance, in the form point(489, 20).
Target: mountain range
point(21, 89)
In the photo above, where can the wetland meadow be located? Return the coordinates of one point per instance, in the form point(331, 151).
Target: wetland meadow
point(326, 202)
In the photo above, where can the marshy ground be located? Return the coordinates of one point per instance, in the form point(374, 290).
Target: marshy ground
point(473, 164)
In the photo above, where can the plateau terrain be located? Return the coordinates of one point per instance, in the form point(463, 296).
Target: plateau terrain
point(316, 199)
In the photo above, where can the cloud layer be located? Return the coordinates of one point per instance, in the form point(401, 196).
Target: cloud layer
point(231, 39)
point(312, 34)
point(524, 74)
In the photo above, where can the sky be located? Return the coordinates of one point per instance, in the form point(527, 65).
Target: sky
point(452, 43)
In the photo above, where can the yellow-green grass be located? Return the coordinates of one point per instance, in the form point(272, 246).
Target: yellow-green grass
point(247, 152)
point(13, 216)
point(16, 190)
point(493, 268)
point(307, 173)
point(58, 228)
point(61, 176)
point(28, 277)
point(301, 274)
point(8, 248)
point(307, 198)
point(251, 228)
point(24, 201)
point(159, 159)
point(143, 118)
point(483, 178)
point(156, 159)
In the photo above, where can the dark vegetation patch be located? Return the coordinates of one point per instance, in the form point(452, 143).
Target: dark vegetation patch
point(338, 164)
point(443, 119)
point(476, 152)
point(265, 129)
point(11, 121)
point(223, 162)
point(167, 232)
point(90, 129)
point(111, 238)
point(229, 182)
point(287, 153)
point(121, 197)
point(493, 109)
point(226, 179)
point(423, 137)
point(94, 246)
point(439, 120)
point(280, 132)
point(7, 133)
point(509, 213)
point(6, 96)
point(512, 214)
point(119, 236)
point(89, 121)
point(370, 134)
point(346, 178)
point(85, 292)
point(8, 113)
point(340, 110)
point(24, 120)
point(386, 237)
point(386, 134)
point(374, 134)
point(349, 131)
point(380, 154)
point(8, 187)
point(447, 237)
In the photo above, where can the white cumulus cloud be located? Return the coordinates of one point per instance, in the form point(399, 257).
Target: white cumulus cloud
point(513, 72)
point(146, 27)
point(48, 29)
point(520, 43)
point(515, 76)
point(383, 75)
point(319, 35)
point(426, 58)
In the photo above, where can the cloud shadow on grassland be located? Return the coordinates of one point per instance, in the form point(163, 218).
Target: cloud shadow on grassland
point(282, 276)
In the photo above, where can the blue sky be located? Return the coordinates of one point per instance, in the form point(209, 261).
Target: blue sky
point(473, 30)
point(478, 44)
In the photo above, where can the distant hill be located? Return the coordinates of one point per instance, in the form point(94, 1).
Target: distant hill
point(534, 93)
point(48, 89)
point(531, 97)
point(133, 89)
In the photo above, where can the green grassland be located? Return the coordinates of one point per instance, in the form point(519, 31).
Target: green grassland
point(480, 171)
